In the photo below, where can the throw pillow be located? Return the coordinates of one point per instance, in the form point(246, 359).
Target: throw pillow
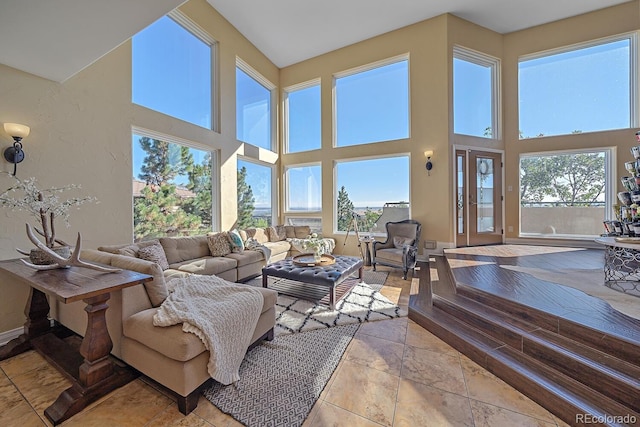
point(277, 233)
point(237, 245)
point(219, 244)
point(399, 242)
point(132, 250)
point(154, 253)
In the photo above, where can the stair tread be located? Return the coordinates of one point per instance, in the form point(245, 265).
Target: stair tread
point(580, 396)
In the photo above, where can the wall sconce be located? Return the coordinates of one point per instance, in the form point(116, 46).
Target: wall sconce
point(15, 154)
point(428, 154)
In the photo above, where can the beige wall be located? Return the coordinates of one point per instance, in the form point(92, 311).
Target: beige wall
point(81, 133)
point(81, 130)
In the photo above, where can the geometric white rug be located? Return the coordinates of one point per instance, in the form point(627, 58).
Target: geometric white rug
point(361, 304)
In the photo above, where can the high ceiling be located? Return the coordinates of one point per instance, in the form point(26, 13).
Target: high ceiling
point(57, 39)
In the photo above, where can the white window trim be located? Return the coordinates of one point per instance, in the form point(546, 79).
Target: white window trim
point(286, 189)
point(274, 188)
point(285, 108)
point(360, 69)
point(609, 189)
point(215, 166)
point(634, 67)
point(484, 60)
point(336, 190)
point(273, 95)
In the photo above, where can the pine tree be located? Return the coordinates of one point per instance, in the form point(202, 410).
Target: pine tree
point(345, 210)
point(163, 161)
point(245, 201)
point(200, 184)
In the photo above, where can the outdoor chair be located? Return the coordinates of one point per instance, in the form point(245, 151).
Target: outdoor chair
point(400, 248)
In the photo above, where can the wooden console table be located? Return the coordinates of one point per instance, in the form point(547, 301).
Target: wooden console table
point(92, 372)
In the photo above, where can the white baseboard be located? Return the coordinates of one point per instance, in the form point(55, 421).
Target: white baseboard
point(7, 336)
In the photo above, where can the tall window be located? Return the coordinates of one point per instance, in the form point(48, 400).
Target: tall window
point(172, 70)
point(172, 188)
point(254, 195)
point(254, 112)
point(475, 86)
point(303, 119)
point(578, 89)
point(565, 194)
point(372, 103)
point(371, 197)
point(303, 188)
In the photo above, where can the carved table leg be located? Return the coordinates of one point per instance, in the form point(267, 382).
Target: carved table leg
point(97, 375)
point(37, 311)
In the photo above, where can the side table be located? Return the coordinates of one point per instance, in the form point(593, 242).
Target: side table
point(367, 250)
point(92, 372)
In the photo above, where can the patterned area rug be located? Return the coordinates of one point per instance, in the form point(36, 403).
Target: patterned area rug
point(281, 380)
point(302, 307)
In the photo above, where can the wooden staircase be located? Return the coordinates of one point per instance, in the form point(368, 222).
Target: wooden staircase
point(582, 375)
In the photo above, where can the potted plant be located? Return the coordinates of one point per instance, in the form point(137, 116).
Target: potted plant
point(45, 205)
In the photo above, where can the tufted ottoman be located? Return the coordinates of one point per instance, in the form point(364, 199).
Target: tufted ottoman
point(329, 276)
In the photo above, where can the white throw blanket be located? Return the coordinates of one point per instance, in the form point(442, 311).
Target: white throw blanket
point(221, 313)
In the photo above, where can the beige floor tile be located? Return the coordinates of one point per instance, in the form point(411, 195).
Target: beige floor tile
point(422, 405)
point(485, 387)
point(211, 413)
point(366, 392)
point(41, 386)
point(172, 417)
point(23, 363)
point(435, 369)
point(135, 404)
point(376, 353)
point(19, 414)
point(493, 416)
point(559, 422)
point(392, 294)
point(332, 416)
point(393, 330)
point(419, 337)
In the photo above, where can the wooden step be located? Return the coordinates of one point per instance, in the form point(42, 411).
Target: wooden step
point(613, 377)
point(560, 394)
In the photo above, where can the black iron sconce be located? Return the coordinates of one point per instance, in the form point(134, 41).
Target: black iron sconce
point(14, 154)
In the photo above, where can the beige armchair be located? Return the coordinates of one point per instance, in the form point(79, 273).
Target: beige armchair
point(400, 248)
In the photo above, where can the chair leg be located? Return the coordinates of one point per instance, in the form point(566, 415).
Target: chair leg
point(374, 266)
point(404, 274)
point(188, 403)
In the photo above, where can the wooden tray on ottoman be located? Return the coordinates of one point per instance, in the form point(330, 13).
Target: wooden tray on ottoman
point(306, 260)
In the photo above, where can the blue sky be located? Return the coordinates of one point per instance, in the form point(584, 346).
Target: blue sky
point(585, 90)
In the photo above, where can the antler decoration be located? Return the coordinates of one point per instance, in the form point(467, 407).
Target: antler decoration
point(61, 262)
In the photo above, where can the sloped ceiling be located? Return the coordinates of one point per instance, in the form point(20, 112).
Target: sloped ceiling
point(56, 39)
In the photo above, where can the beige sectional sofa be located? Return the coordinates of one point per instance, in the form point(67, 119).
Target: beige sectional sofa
point(175, 359)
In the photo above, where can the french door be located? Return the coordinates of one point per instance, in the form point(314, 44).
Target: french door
point(478, 198)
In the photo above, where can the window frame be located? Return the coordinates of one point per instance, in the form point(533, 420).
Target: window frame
point(495, 64)
point(285, 116)
point(361, 69)
point(609, 188)
point(264, 82)
point(198, 32)
point(634, 73)
point(215, 170)
point(336, 190)
point(285, 175)
point(274, 188)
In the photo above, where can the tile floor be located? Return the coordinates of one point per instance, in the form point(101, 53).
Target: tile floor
point(394, 373)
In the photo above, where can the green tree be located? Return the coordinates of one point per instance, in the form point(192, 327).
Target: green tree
point(200, 184)
point(163, 161)
point(573, 180)
point(246, 201)
point(345, 210)
point(157, 213)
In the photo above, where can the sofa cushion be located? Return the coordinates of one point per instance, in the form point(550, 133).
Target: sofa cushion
point(399, 241)
point(246, 257)
point(219, 244)
point(390, 255)
point(154, 253)
point(297, 231)
point(128, 250)
point(206, 265)
point(184, 248)
point(278, 247)
point(157, 288)
point(259, 234)
point(277, 233)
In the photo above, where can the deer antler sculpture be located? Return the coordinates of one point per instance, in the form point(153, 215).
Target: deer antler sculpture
point(62, 262)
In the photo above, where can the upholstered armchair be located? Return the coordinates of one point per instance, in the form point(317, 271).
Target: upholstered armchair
point(400, 248)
